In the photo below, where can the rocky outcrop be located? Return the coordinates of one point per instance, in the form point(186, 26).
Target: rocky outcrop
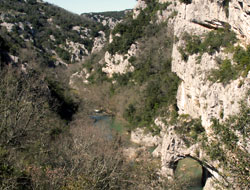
point(147, 139)
point(8, 26)
point(139, 6)
point(99, 42)
point(109, 19)
point(197, 96)
point(173, 148)
point(118, 63)
point(212, 14)
point(77, 51)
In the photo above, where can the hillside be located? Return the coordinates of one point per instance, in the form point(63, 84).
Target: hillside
point(179, 70)
point(152, 98)
point(109, 19)
point(48, 32)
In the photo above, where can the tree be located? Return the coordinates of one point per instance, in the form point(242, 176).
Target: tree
point(22, 107)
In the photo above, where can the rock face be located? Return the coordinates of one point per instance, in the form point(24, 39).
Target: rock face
point(213, 14)
point(77, 51)
point(99, 42)
point(117, 63)
point(109, 19)
point(139, 6)
point(138, 136)
point(197, 96)
point(172, 149)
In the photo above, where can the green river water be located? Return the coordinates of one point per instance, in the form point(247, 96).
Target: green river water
point(187, 169)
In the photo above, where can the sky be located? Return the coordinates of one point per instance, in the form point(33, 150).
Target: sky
point(85, 6)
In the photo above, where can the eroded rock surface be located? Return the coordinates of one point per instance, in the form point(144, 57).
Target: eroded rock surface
point(197, 96)
point(118, 63)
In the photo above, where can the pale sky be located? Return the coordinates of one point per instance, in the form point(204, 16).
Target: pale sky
point(84, 6)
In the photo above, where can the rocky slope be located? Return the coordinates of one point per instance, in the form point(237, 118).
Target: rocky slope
point(109, 19)
point(177, 70)
point(197, 96)
point(213, 109)
point(50, 33)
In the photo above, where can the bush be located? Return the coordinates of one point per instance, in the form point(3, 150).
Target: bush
point(242, 58)
point(227, 71)
point(65, 55)
point(224, 74)
point(189, 129)
point(62, 101)
point(133, 29)
point(226, 146)
point(211, 43)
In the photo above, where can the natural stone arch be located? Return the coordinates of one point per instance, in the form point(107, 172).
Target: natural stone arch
point(205, 172)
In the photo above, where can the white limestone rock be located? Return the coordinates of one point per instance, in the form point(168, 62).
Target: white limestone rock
point(212, 14)
point(139, 6)
point(139, 136)
point(8, 26)
point(99, 42)
point(77, 50)
point(197, 96)
point(119, 63)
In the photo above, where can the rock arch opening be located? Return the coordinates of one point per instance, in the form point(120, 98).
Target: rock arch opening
point(192, 173)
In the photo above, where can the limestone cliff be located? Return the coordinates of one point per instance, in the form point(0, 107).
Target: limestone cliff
point(194, 39)
point(197, 96)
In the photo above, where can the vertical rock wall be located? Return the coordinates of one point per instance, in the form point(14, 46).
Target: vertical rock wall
point(197, 96)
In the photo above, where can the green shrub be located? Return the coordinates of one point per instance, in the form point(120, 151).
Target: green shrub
point(225, 146)
point(227, 71)
point(211, 43)
point(133, 29)
point(189, 129)
point(242, 58)
point(62, 53)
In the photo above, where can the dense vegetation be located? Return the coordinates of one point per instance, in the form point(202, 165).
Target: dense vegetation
point(42, 149)
point(47, 139)
point(225, 147)
point(228, 71)
point(132, 29)
point(210, 43)
point(46, 27)
point(152, 87)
